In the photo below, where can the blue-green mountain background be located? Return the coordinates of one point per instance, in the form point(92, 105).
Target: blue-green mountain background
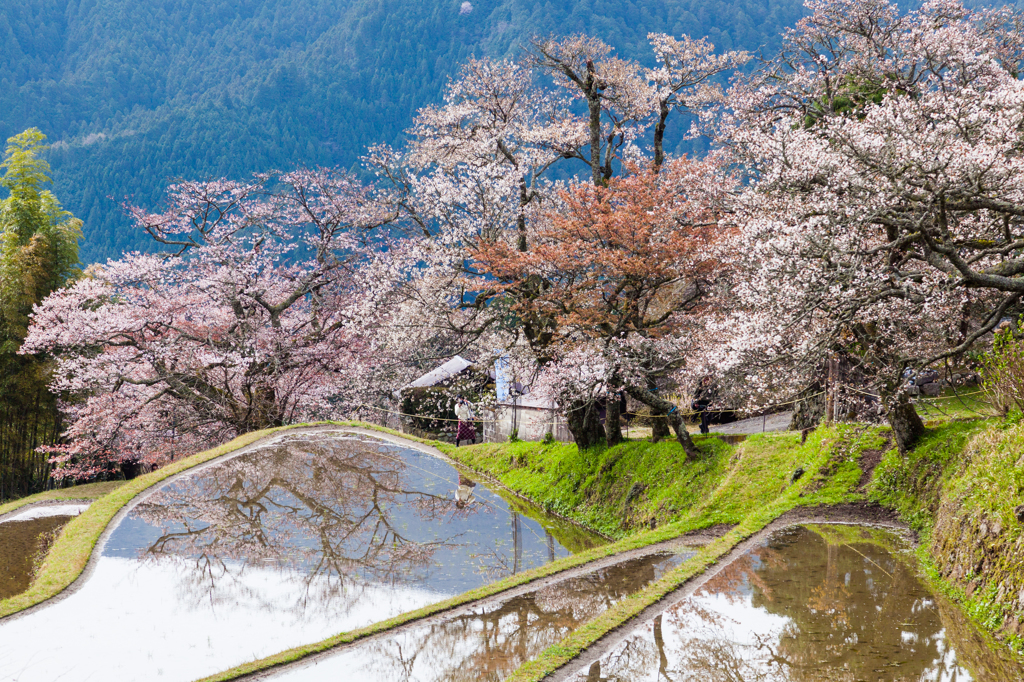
point(134, 95)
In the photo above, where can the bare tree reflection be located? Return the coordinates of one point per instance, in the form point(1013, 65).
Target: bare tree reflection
point(488, 644)
point(335, 511)
point(836, 604)
point(694, 643)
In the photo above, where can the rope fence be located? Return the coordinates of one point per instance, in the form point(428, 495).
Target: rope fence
point(683, 411)
point(475, 420)
point(937, 402)
point(688, 412)
point(948, 397)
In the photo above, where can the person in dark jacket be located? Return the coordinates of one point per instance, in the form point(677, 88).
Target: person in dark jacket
point(702, 398)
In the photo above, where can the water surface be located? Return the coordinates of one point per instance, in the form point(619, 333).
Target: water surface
point(815, 603)
point(488, 643)
point(299, 540)
point(22, 544)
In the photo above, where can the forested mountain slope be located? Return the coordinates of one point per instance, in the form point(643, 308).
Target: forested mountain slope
point(134, 95)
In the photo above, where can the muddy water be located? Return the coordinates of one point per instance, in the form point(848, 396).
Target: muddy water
point(488, 643)
point(284, 546)
point(21, 544)
point(837, 603)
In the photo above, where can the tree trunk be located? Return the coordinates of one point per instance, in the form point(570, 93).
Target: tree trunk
point(906, 425)
point(594, 105)
point(659, 641)
point(524, 199)
point(659, 428)
point(830, 390)
point(612, 425)
point(659, 135)
point(671, 413)
point(584, 424)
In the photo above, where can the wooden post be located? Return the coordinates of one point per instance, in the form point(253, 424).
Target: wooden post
point(830, 389)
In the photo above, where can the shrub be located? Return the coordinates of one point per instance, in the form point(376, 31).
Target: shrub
point(1002, 371)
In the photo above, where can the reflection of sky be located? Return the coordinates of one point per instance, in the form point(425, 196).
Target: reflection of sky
point(742, 621)
point(476, 535)
point(130, 622)
point(179, 618)
point(728, 632)
point(719, 633)
point(490, 642)
point(44, 511)
point(479, 542)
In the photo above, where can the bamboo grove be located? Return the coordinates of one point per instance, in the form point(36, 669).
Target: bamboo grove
point(38, 254)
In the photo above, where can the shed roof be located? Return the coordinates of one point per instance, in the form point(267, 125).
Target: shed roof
point(435, 376)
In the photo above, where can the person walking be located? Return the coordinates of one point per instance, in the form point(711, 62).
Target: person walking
point(702, 398)
point(465, 430)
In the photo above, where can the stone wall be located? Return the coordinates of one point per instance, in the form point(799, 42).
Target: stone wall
point(977, 542)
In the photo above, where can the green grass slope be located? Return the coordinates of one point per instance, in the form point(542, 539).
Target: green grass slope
point(638, 484)
point(86, 491)
point(962, 490)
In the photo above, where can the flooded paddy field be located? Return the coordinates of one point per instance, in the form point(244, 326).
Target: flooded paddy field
point(487, 642)
point(25, 537)
point(305, 537)
point(810, 603)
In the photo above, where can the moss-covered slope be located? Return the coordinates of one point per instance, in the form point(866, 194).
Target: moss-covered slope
point(962, 488)
point(638, 484)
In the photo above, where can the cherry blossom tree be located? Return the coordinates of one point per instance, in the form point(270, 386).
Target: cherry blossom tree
point(475, 168)
point(684, 79)
point(478, 173)
point(617, 96)
point(884, 213)
point(624, 270)
point(255, 317)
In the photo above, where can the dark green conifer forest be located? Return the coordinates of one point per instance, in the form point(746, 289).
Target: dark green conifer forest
point(134, 95)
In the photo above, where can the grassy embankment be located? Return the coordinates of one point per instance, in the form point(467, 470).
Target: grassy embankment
point(962, 490)
point(958, 489)
point(639, 484)
point(605, 489)
point(619, 491)
point(86, 491)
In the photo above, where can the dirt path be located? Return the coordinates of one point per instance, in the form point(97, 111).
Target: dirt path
point(772, 422)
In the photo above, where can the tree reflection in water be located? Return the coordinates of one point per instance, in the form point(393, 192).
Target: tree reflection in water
point(488, 643)
point(335, 515)
point(835, 603)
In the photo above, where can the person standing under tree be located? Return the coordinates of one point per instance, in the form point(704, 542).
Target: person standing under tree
point(702, 398)
point(465, 429)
